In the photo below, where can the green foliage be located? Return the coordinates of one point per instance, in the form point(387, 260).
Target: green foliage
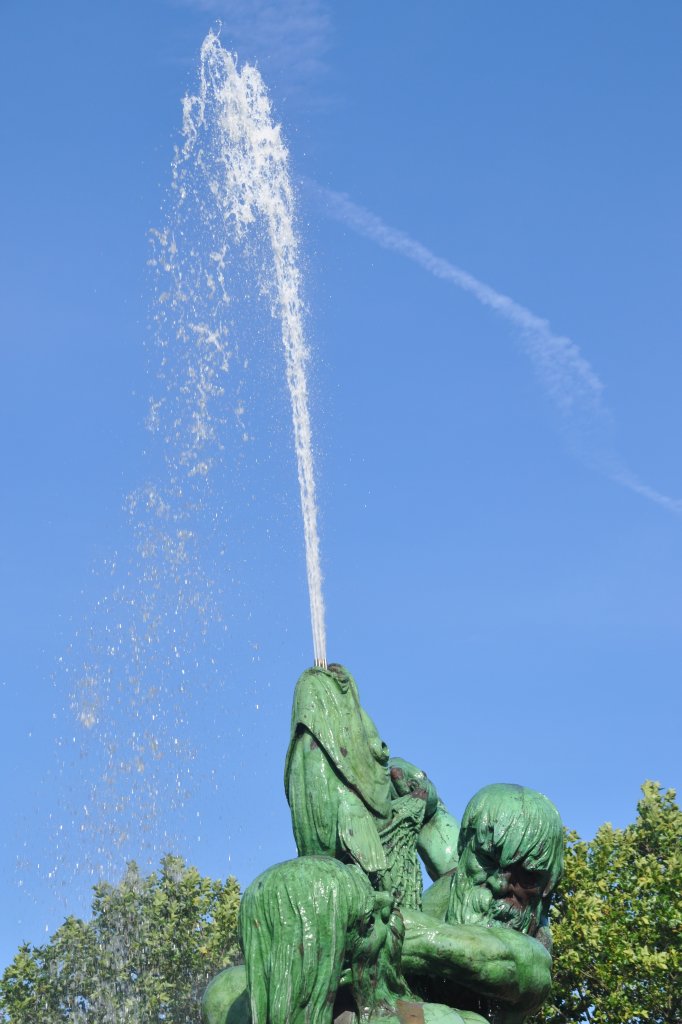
point(145, 956)
point(617, 922)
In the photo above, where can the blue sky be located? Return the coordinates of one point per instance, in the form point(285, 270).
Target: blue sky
point(500, 512)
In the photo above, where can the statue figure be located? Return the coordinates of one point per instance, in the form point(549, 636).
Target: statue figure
point(346, 933)
point(437, 839)
point(301, 923)
point(482, 940)
point(510, 860)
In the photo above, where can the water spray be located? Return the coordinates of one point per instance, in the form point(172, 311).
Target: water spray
point(250, 184)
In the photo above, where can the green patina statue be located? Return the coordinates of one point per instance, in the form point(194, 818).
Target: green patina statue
point(345, 932)
point(300, 924)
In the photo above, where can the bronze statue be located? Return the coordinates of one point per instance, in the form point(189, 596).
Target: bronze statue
point(346, 933)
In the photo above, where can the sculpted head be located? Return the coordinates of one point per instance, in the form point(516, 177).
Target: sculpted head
point(510, 859)
point(406, 779)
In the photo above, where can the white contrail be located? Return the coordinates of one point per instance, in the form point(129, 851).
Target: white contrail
point(566, 375)
point(625, 478)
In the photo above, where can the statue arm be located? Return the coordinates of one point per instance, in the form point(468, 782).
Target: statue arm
point(437, 843)
point(437, 840)
point(497, 963)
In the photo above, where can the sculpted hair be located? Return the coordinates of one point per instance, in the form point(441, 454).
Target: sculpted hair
point(296, 922)
point(512, 824)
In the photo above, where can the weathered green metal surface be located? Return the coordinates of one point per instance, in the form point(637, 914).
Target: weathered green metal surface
point(226, 999)
point(301, 923)
point(345, 932)
point(335, 773)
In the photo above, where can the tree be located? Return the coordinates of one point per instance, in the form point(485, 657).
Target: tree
point(617, 922)
point(146, 955)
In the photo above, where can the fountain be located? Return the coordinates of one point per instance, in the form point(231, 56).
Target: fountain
point(345, 932)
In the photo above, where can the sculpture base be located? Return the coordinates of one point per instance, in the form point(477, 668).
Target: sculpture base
point(226, 1001)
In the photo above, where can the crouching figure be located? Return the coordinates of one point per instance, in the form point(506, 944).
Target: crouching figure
point(307, 927)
